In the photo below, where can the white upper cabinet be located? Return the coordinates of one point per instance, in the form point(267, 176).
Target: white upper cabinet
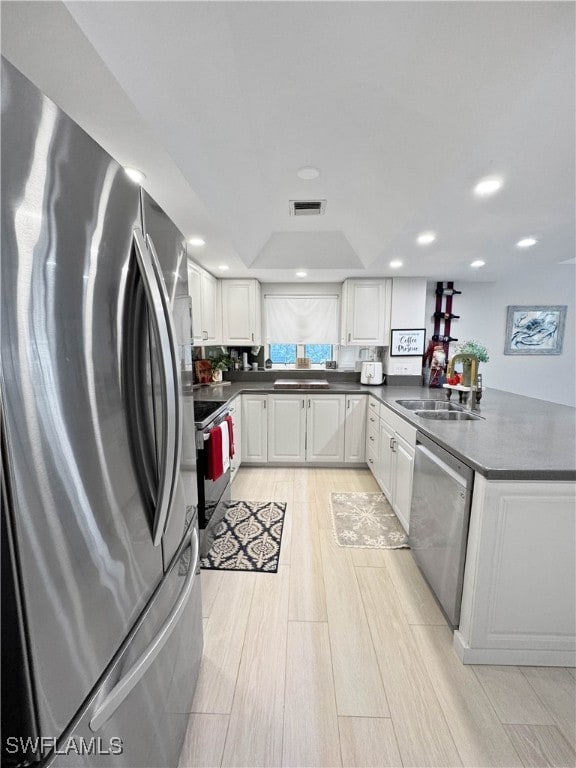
point(241, 312)
point(204, 292)
point(365, 312)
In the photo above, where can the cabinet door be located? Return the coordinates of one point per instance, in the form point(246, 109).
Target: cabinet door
point(240, 312)
point(195, 291)
point(210, 313)
point(325, 428)
point(287, 428)
point(254, 429)
point(385, 460)
point(402, 480)
point(355, 428)
point(236, 413)
point(366, 312)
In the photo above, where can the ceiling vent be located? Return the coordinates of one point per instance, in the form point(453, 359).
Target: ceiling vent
point(307, 207)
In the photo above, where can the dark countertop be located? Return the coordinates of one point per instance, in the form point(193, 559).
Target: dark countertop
point(518, 438)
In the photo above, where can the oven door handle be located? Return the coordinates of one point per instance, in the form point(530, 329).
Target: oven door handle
point(164, 336)
point(202, 436)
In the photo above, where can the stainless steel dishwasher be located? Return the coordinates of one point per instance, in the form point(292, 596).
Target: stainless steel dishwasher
point(439, 516)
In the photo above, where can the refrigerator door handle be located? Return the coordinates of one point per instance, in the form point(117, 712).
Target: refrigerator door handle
point(137, 671)
point(162, 326)
point(173, 390)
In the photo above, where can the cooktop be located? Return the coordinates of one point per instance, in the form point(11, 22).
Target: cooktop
point(204, 408)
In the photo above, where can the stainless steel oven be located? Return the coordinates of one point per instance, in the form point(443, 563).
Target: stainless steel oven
point(212, 494)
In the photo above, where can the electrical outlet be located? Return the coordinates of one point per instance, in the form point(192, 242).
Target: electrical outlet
point(400, 370)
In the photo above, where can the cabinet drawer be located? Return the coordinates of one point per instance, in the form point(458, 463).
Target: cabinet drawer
point(372, 459)
point(372, 434)
point(398, 425)
point(373, 407)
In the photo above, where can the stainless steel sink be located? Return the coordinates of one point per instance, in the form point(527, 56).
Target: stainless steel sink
point(448, 415)
point(429, 405)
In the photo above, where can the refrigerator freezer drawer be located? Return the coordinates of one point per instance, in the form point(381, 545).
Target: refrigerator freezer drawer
point(141, 732)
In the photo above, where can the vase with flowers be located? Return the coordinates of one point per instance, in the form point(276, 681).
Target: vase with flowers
point(474, 349)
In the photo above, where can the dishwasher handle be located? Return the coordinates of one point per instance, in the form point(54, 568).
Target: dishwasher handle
point(432, 456)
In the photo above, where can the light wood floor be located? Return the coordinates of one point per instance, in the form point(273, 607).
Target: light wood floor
point(342, 658)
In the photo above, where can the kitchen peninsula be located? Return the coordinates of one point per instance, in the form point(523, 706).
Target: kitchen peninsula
point(520, 550)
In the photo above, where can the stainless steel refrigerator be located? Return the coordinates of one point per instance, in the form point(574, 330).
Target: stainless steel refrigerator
point(101, 615)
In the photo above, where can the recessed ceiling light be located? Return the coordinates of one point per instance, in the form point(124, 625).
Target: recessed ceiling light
point(135, 175)
point(426, 238)
point(197, 241)
point(396, 263)
point(308, 173)
point(301, 274)
point(526, 242)
point(477, 263)
point(223, 267)
point(488, 186)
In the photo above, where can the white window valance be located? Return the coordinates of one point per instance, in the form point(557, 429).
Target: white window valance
point(301, 319)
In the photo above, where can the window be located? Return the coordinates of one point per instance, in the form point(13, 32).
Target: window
point(286, 354)
point(301, 319)
point(283, 354)
point(301, 326)
point(318, 353)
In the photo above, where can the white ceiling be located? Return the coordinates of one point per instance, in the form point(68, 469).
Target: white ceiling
point(403, 106)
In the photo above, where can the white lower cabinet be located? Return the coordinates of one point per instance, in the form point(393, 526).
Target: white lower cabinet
point(519, 596)
point(236, 414)
point(294, 428)
point(385, 459)
point(287, 428)
point(254, 429)
point(355, 429)
point(325, 428)
point(402, 479)
point(390, 444)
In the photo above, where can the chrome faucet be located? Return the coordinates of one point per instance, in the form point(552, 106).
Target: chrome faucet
point(465, 356)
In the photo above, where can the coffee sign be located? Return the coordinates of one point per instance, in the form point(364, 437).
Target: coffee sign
point(407, 342)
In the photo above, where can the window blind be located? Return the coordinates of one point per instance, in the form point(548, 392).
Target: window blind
point(301, 319)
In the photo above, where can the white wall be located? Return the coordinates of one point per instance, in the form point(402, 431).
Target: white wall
point(408, 310)
point(483, 307)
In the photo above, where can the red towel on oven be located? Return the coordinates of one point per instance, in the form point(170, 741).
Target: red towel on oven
point(228, 420)
point(215, 463)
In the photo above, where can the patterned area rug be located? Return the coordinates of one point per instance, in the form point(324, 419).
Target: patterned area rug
point(248, 537)
point(366, 520)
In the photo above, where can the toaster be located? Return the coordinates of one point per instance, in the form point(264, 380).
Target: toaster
point(371, 373)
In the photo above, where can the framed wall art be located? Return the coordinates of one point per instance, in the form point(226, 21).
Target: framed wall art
point(407, 342)
point(535, 330)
